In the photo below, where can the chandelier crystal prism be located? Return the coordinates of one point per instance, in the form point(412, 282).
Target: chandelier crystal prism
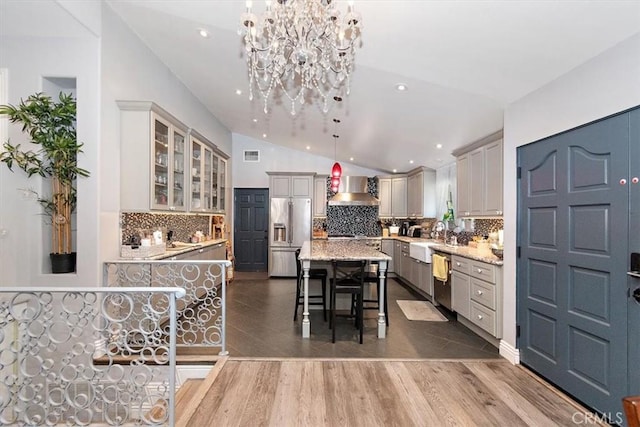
point(303, 48)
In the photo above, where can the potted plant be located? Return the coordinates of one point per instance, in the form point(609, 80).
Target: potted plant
point(51, 126)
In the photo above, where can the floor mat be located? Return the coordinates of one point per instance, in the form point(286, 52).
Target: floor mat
point(421, 310)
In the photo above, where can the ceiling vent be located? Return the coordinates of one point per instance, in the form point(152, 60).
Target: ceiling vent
point(251, 155)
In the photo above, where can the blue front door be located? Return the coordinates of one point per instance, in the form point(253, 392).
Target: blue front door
point(575, 238)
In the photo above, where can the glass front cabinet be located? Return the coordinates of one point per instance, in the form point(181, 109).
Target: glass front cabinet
point(169, 181)
point(208, 175)
point(153, 158)
point(165, 165)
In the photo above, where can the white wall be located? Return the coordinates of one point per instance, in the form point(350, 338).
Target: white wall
point(607, 84)
point(130, 71)
point(22, 253)
point(275, 158)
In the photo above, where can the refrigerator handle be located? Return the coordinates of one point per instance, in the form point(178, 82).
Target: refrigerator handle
point(290, 233)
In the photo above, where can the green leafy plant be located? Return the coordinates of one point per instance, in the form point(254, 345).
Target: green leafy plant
point(51, 126)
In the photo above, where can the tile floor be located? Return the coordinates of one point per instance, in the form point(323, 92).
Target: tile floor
point(260, 324)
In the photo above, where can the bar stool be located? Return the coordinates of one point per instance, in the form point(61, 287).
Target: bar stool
point(348, 278)
point(374, 304)
point(314, 274)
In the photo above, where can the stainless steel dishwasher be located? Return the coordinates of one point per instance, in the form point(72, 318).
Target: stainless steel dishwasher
point(442, 289)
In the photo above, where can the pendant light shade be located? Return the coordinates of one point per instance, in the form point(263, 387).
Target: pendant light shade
point(335, 184)
point(336, 170)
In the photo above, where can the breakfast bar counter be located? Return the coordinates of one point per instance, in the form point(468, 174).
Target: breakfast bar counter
point(341, 250)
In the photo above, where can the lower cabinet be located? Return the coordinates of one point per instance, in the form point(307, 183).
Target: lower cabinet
point(397, 258)
point(388, 248)
point(477, 293)
point(460, 301)
point(412, 271)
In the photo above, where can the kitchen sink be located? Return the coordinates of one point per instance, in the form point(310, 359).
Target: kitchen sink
point(421, 251)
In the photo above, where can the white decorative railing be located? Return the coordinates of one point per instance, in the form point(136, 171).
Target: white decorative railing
point(201, 314)
point(81, 356)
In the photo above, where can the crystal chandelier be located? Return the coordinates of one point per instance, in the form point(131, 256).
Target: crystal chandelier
point(303, 47)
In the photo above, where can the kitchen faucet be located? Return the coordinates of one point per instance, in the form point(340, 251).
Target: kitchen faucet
point(436, 228)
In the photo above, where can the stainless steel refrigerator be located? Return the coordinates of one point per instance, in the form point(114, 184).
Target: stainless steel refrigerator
point(289, 227)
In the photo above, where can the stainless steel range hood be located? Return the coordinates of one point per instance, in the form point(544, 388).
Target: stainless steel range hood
point(353, 192)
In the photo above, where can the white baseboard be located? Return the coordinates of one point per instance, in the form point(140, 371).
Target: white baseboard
point(185, 372)
point(509, 352)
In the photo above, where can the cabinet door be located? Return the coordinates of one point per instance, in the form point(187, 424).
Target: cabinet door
point(197, 152)
point(301, 186)
point(279, 186)
point(460, 293)
point(493, 178)
point(320, 196)
point(462, 186)
point(178, 178)
point(406, 266)
point(207, 178)
point(414, 189)
point(215, 181)
point(160, 163)
point(388, 248)
point(397, 257)
point(476, 181)
point(399, 197)
point(426, 278)
point(384, 194)
point(222, 185)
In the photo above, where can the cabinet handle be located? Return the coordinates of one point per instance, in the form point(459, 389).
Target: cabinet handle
point(458, 264)
point(480, 317)
point(479, 292)
point(479, 270)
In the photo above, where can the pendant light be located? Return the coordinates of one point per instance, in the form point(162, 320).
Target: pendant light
point(336, 170)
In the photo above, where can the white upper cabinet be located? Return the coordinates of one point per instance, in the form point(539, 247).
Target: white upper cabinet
point(421, 193)
point(479, 179)
point(208, 175)
point(320, 195)
point(153, 160)
point(283, 184)
point(392, 193)
point(164, 165)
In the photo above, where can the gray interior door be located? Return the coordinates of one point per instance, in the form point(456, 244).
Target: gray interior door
point(251, 207)
point(574, 242)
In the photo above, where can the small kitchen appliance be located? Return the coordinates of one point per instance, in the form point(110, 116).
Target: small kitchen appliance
point(415, 231)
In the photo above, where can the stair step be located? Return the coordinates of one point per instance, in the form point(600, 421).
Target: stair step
point(184, 394)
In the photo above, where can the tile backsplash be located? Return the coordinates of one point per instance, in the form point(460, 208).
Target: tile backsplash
point(182, 225)
point(356, 220)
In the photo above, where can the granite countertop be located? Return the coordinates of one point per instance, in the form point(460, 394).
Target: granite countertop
point(184, 249)
point(344, 250)
point(464, 251)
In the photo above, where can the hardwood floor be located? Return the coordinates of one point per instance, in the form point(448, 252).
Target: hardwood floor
point(260, 324)
point(373, 392)
point(422, 374)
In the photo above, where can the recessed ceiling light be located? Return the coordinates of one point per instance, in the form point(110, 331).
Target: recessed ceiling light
point(411, 161)
point(395, 170)
point(308, 147)
point(204, 33)
point(255, 120)
point(238, 92)
point(264, 135)
point(351, 159)
point(438, 145)
point(401, 87)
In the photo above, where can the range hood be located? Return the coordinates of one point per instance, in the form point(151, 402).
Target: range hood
point(353, 192)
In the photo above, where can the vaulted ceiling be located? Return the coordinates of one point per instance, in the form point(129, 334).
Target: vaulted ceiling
point(462, 61)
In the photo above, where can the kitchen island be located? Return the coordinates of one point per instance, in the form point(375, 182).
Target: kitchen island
point(341, 250)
